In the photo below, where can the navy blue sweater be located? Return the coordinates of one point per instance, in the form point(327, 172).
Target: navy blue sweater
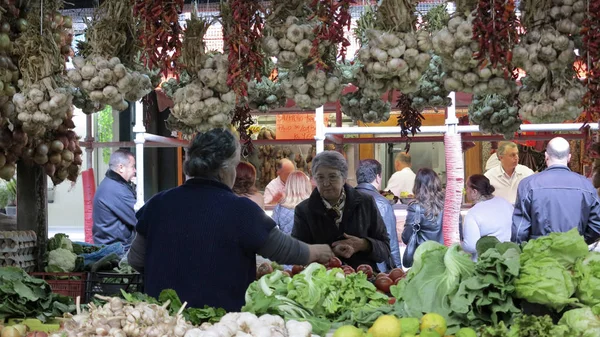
point(201, 241)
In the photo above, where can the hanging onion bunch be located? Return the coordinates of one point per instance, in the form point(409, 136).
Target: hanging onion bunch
point(206, 102)
point(265, 95)
point(170, 86)
point(311, 87)
point(361, 108)
point(9, 73)
point(118, 318)
point(591, 55)
point(553, 101)
point(431, 92)
point(288, 33)
point(395, 57)
point(495, 114)
point(104, 75)
point(12, 144)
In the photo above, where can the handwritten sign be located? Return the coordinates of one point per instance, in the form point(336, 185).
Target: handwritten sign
point(296, 126)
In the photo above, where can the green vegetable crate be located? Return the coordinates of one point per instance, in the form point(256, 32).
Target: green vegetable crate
point(68, 284)
point(110, 284)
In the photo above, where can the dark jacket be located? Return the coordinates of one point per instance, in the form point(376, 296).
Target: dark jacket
point(314, 225)
point(430, 228)
point(113, 214)
point(556, 200)
point(389, 219)
point(201, 240)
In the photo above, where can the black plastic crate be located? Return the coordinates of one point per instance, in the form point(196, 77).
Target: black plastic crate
point(110, 284)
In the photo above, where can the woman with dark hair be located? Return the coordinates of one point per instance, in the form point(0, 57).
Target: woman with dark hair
point(194, 237)
point(424, 215)
point(478, 221)
point(245, 180)
point(338, 215)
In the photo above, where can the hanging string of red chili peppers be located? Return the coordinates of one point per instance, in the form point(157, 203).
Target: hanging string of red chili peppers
point(591, 59)
point(242, 37)
point(410, 119)
point(242, 119)
point(159, 33)
point(333, 16)
point(495, 28)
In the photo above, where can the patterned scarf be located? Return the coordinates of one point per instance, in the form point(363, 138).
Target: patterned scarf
point(337, 209)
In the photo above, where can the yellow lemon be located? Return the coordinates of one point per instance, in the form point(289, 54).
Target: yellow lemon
point(435, 322)
point(386, 326)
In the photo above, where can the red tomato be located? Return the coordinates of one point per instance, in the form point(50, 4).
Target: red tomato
point(348, 271)
point(348, 268)
point(263, 269)
point(334, 262)
point(392, 300)
point(381, 275)
point(384, 284)
point(287, 273)
point(366, 269)
point(297, 269)
point(397, 273)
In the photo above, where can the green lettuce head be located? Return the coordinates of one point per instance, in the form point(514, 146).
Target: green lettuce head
point(587, 276)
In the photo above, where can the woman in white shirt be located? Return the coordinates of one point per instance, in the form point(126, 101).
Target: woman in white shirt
point(490, 216)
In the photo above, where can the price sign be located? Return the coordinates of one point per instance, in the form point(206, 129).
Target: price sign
point(296, 126)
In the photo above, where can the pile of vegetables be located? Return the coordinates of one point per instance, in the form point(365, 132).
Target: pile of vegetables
point(204, 101)
point(495, 114)
point(265, 95)
point(316, 295)
point(101, 72)
point(550, 92)
point(45, 98)
point(24, 296)
point(311, 88)
point(362, 108)
point(431, 92)
point(12, 142)
point(61, 258)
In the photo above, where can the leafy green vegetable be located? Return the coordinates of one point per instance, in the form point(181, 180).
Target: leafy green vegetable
point(60, 240)
point(486, 297)
point(525, 326)
point(61, 260)
point(545, 281)
point(583, 322)
point(433, 281)
point(85, 249)
point(485, 243)
point(565, 248)
point(24, 296)
point(587, 276)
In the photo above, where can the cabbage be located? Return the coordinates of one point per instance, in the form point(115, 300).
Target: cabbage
point(566, 248)
point(587, 276)
point(583, 322)
point(545, 281)
point(432, 282)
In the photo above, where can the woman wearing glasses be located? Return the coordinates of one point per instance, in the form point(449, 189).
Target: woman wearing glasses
point(338, 215)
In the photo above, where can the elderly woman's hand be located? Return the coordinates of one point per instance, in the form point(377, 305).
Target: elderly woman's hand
point(348, 247)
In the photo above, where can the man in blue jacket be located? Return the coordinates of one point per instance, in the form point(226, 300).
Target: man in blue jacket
point(368, 177)
point(556, 200)
point(114, 217)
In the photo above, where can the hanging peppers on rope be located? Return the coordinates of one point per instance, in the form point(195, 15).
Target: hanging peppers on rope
point(410, 119)
point(159, 33)
point(334, 17)
point(591, 60)
point(496, 29)
point(242, 37)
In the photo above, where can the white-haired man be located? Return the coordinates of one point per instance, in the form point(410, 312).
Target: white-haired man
point(556, 200)
point(506, 177)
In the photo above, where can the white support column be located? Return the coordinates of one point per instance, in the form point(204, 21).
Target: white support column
point(451, 120)
point(139, 131)
point(320, 129)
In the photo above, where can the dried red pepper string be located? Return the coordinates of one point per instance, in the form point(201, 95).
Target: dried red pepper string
point(333, 16)
point(242, 38)
point(591, 44)
point(159, 33)
point(409, 119)
point(242, 118)
point(495, 28)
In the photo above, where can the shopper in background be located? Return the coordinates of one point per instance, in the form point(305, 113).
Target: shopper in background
point(275, 190)
point(195, 237)
point(403, 179)
point(297, 189)
point(506, 177)
point(424, 215)
point(493, 160)
point(478, 221)
point(556, 200)
point(245, 183)
point(368, 177)
point(338, 215)
point(113, 214)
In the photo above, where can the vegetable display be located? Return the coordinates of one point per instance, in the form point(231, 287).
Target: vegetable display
point(495, 114)
point(360, 108)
